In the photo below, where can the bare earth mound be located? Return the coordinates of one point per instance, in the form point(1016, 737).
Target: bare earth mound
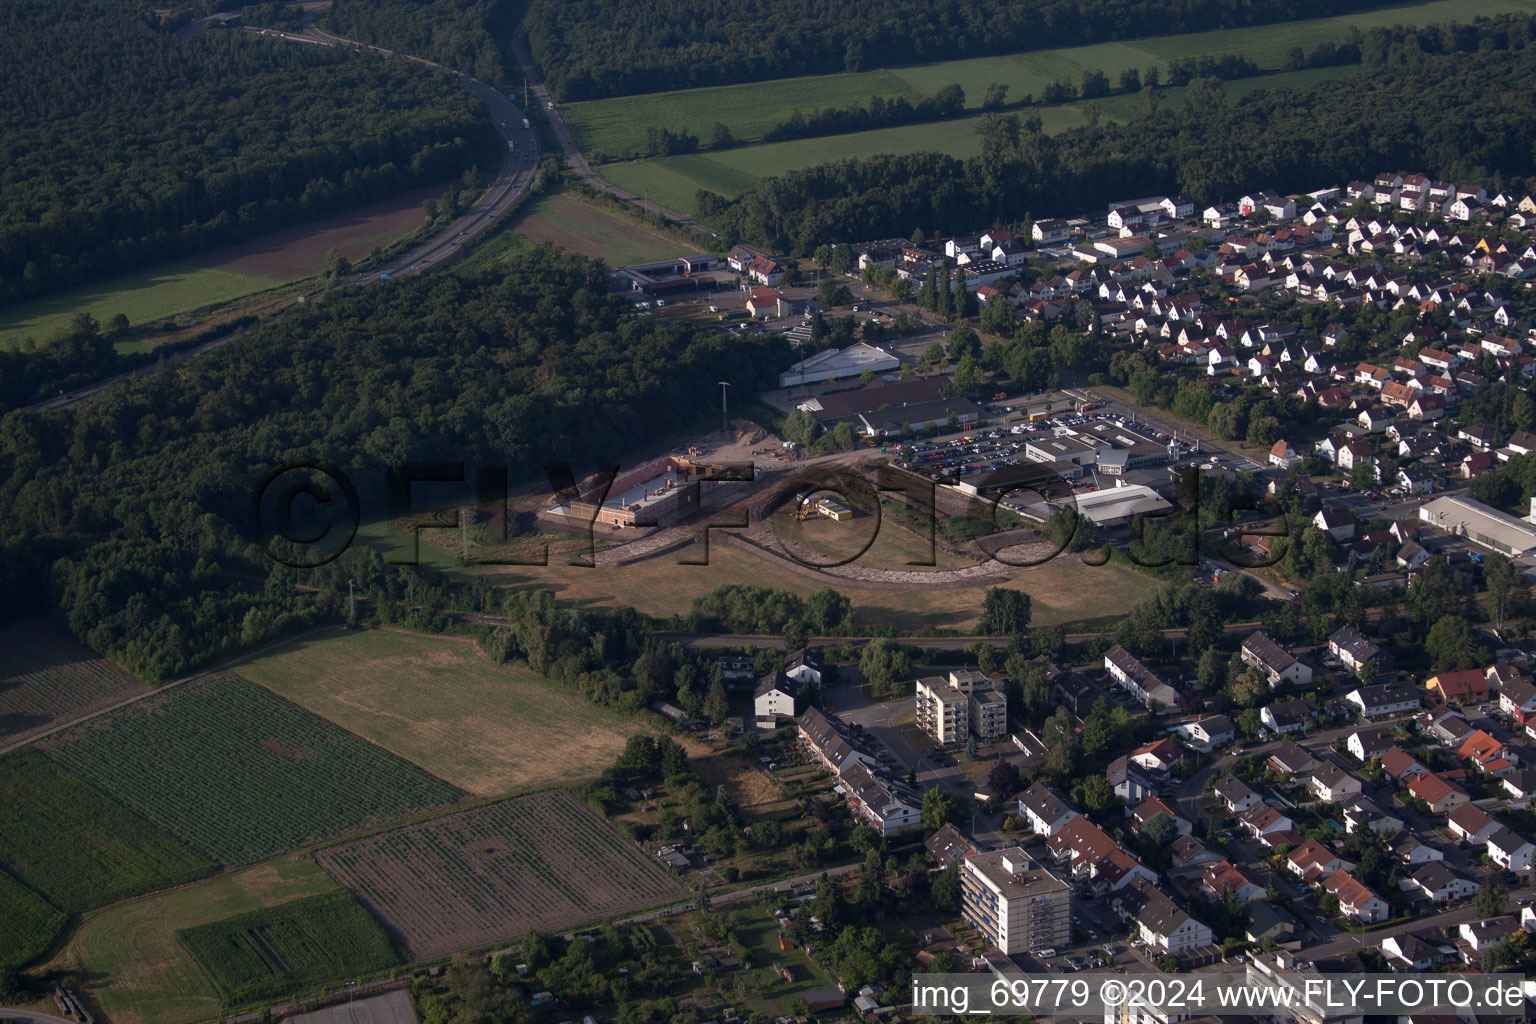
point(45, 678)
point(540, 862)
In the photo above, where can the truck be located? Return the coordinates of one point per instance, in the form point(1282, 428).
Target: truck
point(511, 146)
point(525, 123)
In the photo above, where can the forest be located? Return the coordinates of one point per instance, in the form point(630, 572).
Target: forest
point(465, 35)
point(131, 513)
point(1456, 105)
point(122, 147)
point(588, 49)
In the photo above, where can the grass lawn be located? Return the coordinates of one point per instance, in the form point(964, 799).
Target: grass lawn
point(137, 970)
point(758, 932)
point(141, 296)
point(673, 181)
point(440, 703)
point(579, 226)
point(617, 126)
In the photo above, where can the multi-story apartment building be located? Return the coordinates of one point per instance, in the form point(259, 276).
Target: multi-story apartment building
point(951, 709)
point(1015, 904)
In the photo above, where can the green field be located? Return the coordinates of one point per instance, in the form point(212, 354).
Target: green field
point(67, 841)
point(30, 923)
point(272, 952)
point(142, 296)
point(576, 225)
point(672, 181)
point(241, 774)
point(134, 967)
point(616, 127)
point(440, 703)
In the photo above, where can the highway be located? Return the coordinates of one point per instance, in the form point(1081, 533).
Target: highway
point(33, 1017)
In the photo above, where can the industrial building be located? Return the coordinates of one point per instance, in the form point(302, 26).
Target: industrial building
point(951, 709)
point(1481, 524)
point(1112, 506)
point(838, 363)
point(646, 494)
point(1014, 903)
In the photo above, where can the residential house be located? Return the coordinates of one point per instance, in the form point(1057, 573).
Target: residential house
point(1370, 741)
point(1472, 825)
point(1332, 783)
point(949, 846)
point(1400, 766)
point(1384, 699)
point(1481, 936)
point(1275, 663)
point(1510, 850)
point(1262, 820)
point(1291, 758)
point(804, 666)
point(1285, 717)
point(1046, 812)
point(1158, 756)
point(1337, 521)
point(826, 743)
point(1224, 875)
point(1411, 953)
point(1164, 926)
point(1311, 861)
point(1236, 794)
point(1355, 899)
point(1442, 795)
point(1137, 679)
point(1206, 734)
point(774, 699)
point(1151, 807)
point(880, 801)
point(1414, 852)
point(1267, 922)
point(1440, 884)
point(1130, 783)
point(1363, 814)
point(1488, 754)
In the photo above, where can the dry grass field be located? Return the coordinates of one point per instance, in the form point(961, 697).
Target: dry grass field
point(540, 862)
point(137, 970)
point(438, 702)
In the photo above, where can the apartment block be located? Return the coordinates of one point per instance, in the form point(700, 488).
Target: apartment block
point(951, 708)
point(1015, 903)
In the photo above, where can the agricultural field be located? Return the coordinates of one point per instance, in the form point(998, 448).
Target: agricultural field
point(672, 181)
point(70, 843)
point(439, 703)
point(576, 225)
point(30, 923)
point(540, 862)
point(141, 296)
point(274, 951)
point(616, 127)
point(137, 971)
point(47, 677)
point(240, 774)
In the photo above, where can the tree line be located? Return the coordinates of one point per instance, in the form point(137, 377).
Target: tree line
point(587, 50)
point(466, 35)
point(121, 147)
point(128, 517)
point(1462, 115)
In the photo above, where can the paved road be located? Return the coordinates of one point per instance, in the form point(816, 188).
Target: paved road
point(573, 155)
point(33, 1017)
point(516, 172)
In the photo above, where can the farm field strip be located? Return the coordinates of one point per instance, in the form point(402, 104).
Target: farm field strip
point(271, 952)
point(71, 843)
point(241, 774)
point(47, 676)
point(579, 226)
point(30, 923)
point(540, 862)
point(674, 180)
point(438, 703)
point(617, 126)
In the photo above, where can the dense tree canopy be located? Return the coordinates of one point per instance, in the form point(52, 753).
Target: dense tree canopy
point(592, 48)
point(132, 512)
point(1457, 116)
point(121, 146)
point(466, 35)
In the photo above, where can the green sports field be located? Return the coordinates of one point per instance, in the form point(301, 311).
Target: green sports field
point(142, 296)
point(616, 127)
point(672, 181)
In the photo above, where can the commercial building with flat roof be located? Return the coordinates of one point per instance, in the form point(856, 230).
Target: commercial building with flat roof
point(838, 363)
point(1014, 903)
point(1481, 524)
